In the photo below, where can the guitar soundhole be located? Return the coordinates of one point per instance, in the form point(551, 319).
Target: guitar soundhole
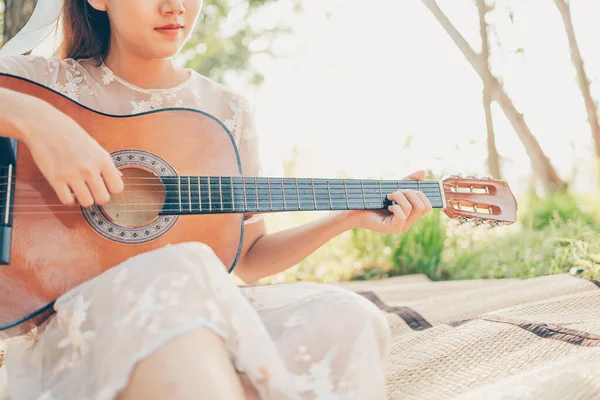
point(141, 200)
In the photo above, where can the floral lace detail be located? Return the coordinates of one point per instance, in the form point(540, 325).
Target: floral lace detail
point(71, 325)
point(318, 380)
point(233, 123)
point(107, 76)
point(302, 355)
point(156, 101)
point(144, 308)
point(76, 83)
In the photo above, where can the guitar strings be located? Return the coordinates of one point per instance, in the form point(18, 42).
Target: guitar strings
point(186, 202)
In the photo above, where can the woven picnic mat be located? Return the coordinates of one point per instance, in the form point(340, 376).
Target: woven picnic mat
point(498, 339)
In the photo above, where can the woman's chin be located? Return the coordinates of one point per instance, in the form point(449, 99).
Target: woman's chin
point(164, 52)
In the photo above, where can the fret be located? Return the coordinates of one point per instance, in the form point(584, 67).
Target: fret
point(276, 190)
point(183, 194)
point(244, 189)
point(346, 193)
point(329, 195)
point(283, 194)
point(179, 190)
point(314, 194)
point(209, 196)
point(298, 194)
point(381, 192)
point(221, 193)
point(419, 185)
point(232, 193)
point(362, 189)
point(248, 195)
point(199, 195)
point(290, 194)
point(256, 188)
point(337, 194)
point(190, 193)
point(270, 196)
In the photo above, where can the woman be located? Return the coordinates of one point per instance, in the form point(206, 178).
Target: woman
point(171, 323)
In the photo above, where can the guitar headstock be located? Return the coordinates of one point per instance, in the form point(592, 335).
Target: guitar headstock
point(481, 201)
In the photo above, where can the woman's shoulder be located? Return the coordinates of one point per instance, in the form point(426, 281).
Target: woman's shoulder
point(40, 69)
point(210, 88)
point(29, 66)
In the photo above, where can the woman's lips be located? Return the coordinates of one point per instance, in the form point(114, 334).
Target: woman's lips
point(170, 30)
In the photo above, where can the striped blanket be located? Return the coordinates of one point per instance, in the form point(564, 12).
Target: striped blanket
point(491, 339)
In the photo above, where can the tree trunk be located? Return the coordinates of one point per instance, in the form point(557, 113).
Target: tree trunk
point(493, 161)
point(584, 83)
point(541, 164)
point(16, 15)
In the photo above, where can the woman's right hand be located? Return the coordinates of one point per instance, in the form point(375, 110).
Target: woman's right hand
point(76, 166)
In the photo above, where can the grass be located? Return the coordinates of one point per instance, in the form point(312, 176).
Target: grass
point(555, 234)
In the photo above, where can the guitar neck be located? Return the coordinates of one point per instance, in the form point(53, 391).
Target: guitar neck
point(225, 194)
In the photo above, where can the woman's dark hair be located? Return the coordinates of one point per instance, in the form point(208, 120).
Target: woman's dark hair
point(86, 32)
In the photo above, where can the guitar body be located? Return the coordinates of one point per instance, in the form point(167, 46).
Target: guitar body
point(55, 247)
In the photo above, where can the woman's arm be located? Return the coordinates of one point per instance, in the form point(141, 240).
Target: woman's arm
point(267, 254)
point(75, 165)
point(15, 114)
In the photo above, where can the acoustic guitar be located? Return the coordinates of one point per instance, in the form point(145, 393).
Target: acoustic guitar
point(183, 182)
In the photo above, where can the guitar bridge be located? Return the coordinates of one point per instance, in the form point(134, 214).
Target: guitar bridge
point(8, 161)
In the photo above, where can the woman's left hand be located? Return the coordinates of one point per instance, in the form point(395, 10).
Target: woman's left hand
point(411, 205)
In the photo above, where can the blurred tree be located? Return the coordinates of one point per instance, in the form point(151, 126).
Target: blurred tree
point(493, 159)
point(541, 164)
point(15, 15)
point(224, 39)
point(564, 7)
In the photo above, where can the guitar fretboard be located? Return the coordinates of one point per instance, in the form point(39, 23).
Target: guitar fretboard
point(224, 194)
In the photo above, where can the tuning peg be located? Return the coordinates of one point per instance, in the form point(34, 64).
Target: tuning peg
point(472, 176)
point(487, 177)
point(459, 175)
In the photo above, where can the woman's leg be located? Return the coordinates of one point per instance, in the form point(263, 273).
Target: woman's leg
point(174, 372)
point(336, 340)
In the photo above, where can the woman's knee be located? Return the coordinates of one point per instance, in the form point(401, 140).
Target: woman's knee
point(356, 313)
point(369, 313)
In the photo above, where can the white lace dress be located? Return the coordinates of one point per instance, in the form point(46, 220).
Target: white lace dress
point(293, 341)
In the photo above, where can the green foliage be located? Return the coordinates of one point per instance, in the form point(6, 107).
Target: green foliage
point(540, 212)
point(226, 40)
point(417, 251)
point(554, 235)
point(420, 249)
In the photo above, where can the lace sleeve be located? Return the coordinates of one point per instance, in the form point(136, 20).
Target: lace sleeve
point(34, 68)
